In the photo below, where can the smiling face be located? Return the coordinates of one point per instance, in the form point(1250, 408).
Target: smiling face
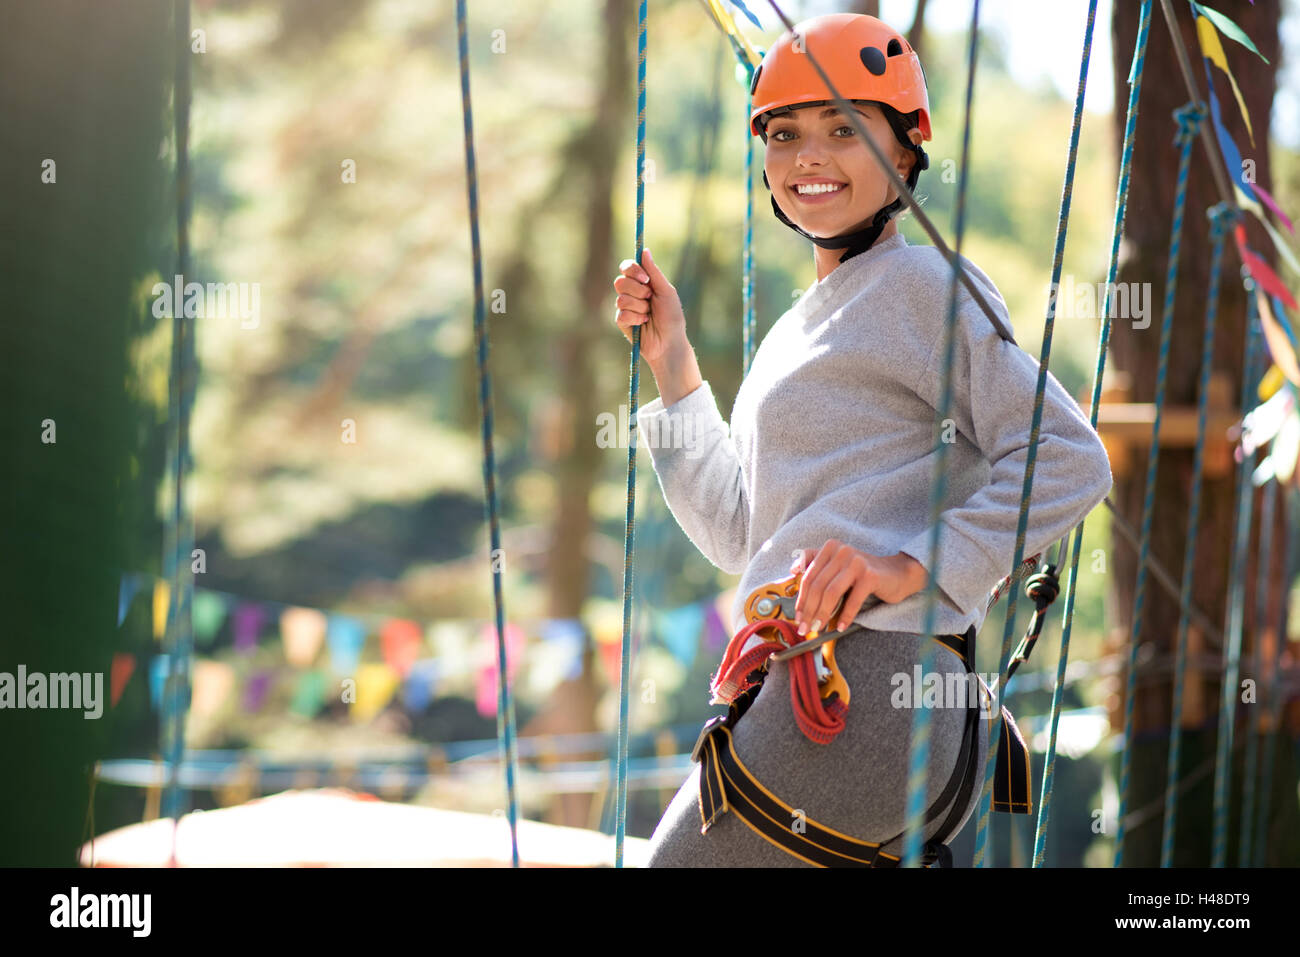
point(823, 177)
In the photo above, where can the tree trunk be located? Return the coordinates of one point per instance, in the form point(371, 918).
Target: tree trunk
point(569, 567)
point(1134, 354)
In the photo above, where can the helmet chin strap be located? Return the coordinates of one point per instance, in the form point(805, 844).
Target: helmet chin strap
point(858, 240)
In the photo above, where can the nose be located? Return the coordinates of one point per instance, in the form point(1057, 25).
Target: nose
point(811, 154)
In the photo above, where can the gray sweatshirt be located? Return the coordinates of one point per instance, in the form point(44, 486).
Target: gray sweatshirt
point(833, 436)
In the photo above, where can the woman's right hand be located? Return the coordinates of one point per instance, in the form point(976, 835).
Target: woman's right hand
point(647, 299)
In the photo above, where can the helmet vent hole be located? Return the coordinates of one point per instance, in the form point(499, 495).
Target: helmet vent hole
point(873, 60)
point(894, 48)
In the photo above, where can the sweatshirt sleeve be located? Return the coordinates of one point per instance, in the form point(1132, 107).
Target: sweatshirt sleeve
point(699, 471)
point(993, 388)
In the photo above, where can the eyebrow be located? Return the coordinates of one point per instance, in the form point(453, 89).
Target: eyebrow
point(825, 114)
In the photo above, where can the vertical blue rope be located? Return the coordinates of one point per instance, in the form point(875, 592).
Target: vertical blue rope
point(625, 670)
point(1188, 118)
point(1236, 611)
point(1254, 727)
point(918, 766)
point(1274, 695)
point(1220, 218)
point(1049, 325)
point(179, 573)
point(505, 707)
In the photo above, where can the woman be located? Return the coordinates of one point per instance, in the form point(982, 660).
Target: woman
point(829, 454)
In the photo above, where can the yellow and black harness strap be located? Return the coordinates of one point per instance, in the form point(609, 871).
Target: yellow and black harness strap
point(727, 785)
point(1013, 783)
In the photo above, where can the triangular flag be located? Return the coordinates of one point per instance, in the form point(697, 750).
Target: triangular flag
point(161, 593)
point(209, 611)
point(248, 625)
point(345, 637)
point(400, 641)
point(488, 683)
point(1278, 338)
point(1271, 203)
point(158, 678)
point(571, 637)
point(515, 642)
point(1212, 50)
point(303, 632)
point(126, 590)
point(611, 660)
point(1261, 272)
point(255, 691)
point(1227, 146)
point(1228, 28)
point(213, 683)
point(309, 694)
point(1270, 383)
point(715, 633)
point(376, 683)
point(418, 688)
point(1279, 243)
point(679, 629)
point(1286, 447)
point(120, 673)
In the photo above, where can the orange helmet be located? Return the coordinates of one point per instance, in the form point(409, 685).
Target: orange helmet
point(865, 58)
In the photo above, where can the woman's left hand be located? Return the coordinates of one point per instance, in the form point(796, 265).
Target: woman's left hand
point(838, 569)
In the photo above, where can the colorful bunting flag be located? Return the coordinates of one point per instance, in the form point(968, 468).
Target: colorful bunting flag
point(400, 642)
point(158, 678)
point(376, 684)
point(1212, 50)
point(1260, 271)
point(1227, 27)
point(212, 684)
point(1271, 203)
point(345, 638)
point(209, 610)
point(256, 690)
point(1279, 243)
point(303, 632)
point(486, 696)
point(1279, 338)
point(679, 630)
point(161, 596)
point(119, 674)
point(248, 625)
point(570, 637)
point(420, 685)
point(126, 591)
point(715, 633)
point(309, 693)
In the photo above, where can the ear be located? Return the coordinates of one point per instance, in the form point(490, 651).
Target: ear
point(905, 161)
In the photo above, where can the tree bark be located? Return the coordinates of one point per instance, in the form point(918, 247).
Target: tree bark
point(576, 470)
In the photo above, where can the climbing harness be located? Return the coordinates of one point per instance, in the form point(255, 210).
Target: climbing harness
point(820, 698)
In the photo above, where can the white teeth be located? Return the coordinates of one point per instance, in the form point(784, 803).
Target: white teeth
point(805, 189)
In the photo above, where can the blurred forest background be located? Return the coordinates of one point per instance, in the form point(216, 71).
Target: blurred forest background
point(366, 306)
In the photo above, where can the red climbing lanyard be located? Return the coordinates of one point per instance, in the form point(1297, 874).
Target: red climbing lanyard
point(819, 719)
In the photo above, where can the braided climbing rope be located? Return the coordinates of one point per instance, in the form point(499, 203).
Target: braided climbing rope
point(1220, 216)
point(505, 706)
point(918, 765)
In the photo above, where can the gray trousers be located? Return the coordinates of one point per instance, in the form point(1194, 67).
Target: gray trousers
point(857, 784)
